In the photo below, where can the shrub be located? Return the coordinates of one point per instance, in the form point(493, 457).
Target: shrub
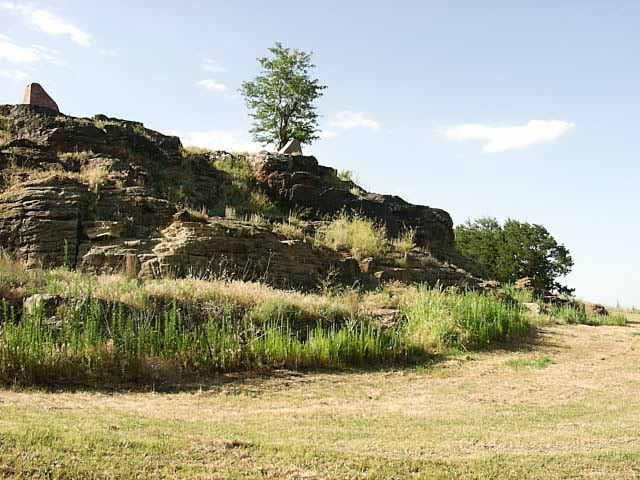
point(359, 235)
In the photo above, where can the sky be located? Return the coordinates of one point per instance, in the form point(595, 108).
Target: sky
point(519, 110)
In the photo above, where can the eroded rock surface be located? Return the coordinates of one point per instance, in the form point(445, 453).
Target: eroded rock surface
point(104, 195)
point(299, 182)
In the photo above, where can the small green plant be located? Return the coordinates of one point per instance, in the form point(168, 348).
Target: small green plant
point(405, 241)
point(346, 175)
point(359, 235)
point(293, 227)
point(529, 363)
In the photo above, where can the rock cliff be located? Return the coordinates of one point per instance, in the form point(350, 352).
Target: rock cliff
point(104, 195)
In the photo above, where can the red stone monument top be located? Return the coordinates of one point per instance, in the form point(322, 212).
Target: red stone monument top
point(34, 94)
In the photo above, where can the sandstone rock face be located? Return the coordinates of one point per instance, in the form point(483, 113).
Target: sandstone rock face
point(218, 247)
point(105, 195)
point(39, 221)
point(298, 182)
point(34, 94)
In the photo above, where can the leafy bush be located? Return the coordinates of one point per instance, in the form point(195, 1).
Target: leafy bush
point(359, 235)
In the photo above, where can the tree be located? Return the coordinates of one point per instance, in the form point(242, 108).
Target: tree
point(281, 98)
point(516, 250)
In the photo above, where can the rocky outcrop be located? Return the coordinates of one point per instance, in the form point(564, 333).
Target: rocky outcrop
point(105, 195)
point(226, 248)
point(39, 220)
point(298, 182)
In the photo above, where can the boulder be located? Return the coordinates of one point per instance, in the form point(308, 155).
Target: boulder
point(534, 308)
point(44, 304)
point(597, 309)
point(40, 219)
point(35, 95)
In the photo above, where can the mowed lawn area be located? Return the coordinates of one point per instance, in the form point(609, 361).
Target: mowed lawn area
point(566, 407)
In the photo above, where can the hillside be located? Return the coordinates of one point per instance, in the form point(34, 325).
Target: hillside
point(104, 195)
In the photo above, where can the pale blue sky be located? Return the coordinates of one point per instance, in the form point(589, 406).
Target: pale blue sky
point(421, 98)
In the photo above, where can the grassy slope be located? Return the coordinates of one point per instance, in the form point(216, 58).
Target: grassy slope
point(470, 417)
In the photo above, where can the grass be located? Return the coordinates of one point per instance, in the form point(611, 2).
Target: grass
point(94, 175)
point(293, 227)
point(446, 319)
point(577, 314)
point(360, 236)
point(462, 419)
point(529, 363)
point(97, 343)
point(405, 242)
point(114, 329)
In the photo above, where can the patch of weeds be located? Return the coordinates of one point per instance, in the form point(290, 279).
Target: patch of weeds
point(523, 363)
point(405, 242)
point(293, 227)
point(360, 236)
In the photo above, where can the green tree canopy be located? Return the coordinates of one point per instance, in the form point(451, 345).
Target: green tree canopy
point(515, 250)
point(281, 98)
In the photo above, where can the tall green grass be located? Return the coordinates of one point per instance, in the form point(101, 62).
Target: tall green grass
point(577, 314)
point(95, 342)
point(445, 319)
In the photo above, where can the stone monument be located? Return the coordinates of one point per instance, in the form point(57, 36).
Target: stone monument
point(34, 94)
point(292, 147)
